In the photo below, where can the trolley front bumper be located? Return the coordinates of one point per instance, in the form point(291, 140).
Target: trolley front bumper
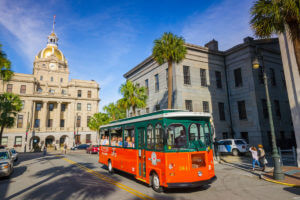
point(192, 184)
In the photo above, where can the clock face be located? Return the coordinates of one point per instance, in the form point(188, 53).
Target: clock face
point(52, 66)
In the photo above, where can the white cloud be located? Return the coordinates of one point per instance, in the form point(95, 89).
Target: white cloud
point(227, 22)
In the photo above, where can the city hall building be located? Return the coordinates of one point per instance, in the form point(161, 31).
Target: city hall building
point(55, 110)
point(224, 84)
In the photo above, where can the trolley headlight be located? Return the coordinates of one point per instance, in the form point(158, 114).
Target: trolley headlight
point(209, 167)
point(199, 173)
point(171, 166)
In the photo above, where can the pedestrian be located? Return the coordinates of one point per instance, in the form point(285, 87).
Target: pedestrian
point(262, 156)
point(253, 151)
point(65, 148)
point(45, 150)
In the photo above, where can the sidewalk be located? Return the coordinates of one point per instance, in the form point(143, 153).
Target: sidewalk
point(292, 173)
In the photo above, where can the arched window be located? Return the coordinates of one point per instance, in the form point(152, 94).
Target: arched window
point(51, 78)
point(194, 133)
point(150, 137)
point(159, 137)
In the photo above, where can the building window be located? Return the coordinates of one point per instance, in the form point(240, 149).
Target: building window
point(20, 121)
point(147, 110)
point(38, 107)
point(9, 88)
point(261, 75)
point(245, 136)
point(4, 141)
point(189, 105)
point(218, 79)
point(49, 123)
point(157, 107)
point(61, 80)
point(272, 75)
point(78, 121)
point(51, 91)
point(23, 104)
point(89, 94)
point(147, 86)
point(41, 78)
point(265, 108)
point(225, 135)
point(78, 93)
point(36, 123)
point(63, 107)
point(138, 112)
point(186, 75)
point(205, 106)
point(282, 78)
point(242, 110)
point(221, 111)
point(79, 106)
point(88, 138)
point(282, 136)
point(203, 77)
point(88, 120)
point(238, 77)
point(63, 92)
point(156, 83)
point(277, 109)
point(51, 107)
point(18, 141)
point(51, 79)
point(23, 89)
point(62, 123)
point(89, 107)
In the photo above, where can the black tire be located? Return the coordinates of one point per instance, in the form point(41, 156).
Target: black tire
point(110, 167)
point(155, 183)
point(235, 152)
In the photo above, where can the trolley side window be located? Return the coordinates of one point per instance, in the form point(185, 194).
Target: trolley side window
point(129, 140)
point(116, 137)
point(159, 142)
point(104, 134)
point(176, 137)
point(207, 135)
point(150, 137)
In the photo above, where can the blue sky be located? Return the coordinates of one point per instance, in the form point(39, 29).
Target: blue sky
point(102, 40)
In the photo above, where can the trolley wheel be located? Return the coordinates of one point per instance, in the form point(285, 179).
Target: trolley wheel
point(235, 152)
point(156, 183)
point(110, 168)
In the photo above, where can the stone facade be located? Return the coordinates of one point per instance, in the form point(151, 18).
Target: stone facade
point(224, 84)
point(55, 110)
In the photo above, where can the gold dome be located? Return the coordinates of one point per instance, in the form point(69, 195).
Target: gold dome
point(51, 50)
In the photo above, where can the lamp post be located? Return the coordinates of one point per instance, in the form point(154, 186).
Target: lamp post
point(277, 173)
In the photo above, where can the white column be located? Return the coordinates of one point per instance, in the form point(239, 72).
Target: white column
point(43, 119)
point(58, 111)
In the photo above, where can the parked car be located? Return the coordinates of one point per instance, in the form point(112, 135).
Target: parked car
point(233, 146)
point(6, 163)
point(14, 154)
point(81, 146)
point(92, 149)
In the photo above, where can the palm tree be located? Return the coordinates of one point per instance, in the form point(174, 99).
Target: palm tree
point(169, 48)
point(98, 120)
point(10, 104)
point(273, 16)
point(134, 96)
point(114, 111)
point(5, 70)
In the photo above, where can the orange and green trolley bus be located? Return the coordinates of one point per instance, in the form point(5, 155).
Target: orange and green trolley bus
point(165, 149)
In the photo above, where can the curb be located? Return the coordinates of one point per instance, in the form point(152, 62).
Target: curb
point(278, 182)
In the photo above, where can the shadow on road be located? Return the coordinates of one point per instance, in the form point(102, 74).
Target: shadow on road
point(293, 190)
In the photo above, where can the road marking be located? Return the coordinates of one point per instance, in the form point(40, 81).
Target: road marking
point(109, 180)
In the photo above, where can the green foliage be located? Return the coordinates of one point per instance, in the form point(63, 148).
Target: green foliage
point(10, 105)
point(98, 120)
point(5, 70)
point(114, 111)
point(270, 16)
point(134, 96)
point(169, 48)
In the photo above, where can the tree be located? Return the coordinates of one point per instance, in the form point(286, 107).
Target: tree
point(134, 96)
point(169, 48)
point(10, 105)
point(5, 70)
point(98, 120)
point(114, 111)
point(273, 16)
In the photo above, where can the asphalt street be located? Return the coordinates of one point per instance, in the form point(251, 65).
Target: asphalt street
point(80, 176)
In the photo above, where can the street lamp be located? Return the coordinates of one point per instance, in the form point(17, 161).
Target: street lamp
point(277, 173)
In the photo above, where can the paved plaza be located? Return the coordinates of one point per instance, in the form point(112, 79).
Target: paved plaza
point(79, 176)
